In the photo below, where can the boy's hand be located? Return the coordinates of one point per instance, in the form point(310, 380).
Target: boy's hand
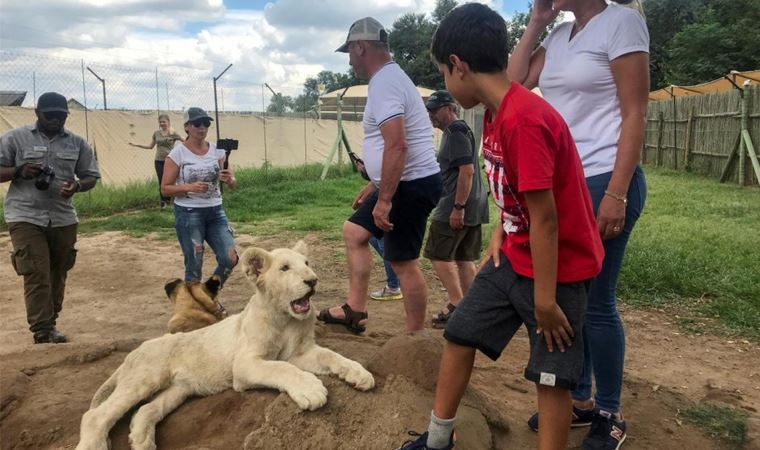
point(552, 322)
point(494, 247)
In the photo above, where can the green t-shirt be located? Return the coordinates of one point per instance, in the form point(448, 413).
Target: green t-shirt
point(164, 144)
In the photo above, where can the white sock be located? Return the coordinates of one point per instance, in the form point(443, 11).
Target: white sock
point(439, 431)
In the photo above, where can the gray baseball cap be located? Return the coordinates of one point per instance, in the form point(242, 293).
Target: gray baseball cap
point(366, 29)
point(194, 112)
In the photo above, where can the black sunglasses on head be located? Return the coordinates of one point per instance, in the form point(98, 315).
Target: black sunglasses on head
point(53, 115)
point(198, 123)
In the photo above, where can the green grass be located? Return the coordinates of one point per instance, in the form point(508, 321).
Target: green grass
point(722, 422)
point(267, 201)
point(695, 248)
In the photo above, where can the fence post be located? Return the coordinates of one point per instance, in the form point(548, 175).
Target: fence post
point(660, 129)
point(675, 136)
point(687, 144)
point(742, 153)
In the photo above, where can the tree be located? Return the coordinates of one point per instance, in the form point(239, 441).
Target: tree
point(330, 80)
point(665, 18)
point(410, 39)
point(723, 38)
point(280, 104)
point(442, 7)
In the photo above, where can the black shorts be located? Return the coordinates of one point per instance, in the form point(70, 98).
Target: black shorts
point(498, 302)
point(447, 244)
point(410, 207)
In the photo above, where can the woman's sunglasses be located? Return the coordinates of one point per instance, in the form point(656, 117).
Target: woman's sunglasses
point(201, 123)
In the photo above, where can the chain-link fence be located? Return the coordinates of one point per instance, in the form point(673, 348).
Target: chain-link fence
point(112, 105)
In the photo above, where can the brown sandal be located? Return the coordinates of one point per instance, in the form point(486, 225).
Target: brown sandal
point(442, 318)
point(350, 321)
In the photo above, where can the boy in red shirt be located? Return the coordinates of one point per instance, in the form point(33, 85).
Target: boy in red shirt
point(540, 262)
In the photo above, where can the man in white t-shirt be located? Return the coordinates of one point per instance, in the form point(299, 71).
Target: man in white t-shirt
point(399, 156)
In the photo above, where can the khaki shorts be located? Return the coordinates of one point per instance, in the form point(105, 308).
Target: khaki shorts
point(447, 244)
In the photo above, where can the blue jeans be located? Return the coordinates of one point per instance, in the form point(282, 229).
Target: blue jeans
point(604, 338)
point(379, 246)
point(196, 225)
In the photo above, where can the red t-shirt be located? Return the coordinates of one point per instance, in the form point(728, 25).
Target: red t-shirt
point(528, 146)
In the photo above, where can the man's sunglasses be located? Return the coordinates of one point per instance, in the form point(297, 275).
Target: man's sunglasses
point(55, 115)
point(198, 123)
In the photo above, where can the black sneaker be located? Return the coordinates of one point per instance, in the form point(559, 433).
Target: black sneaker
point(421, 442)
point(606, 433)
point(581, 418)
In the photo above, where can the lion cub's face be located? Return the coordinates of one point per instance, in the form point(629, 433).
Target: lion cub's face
point(283, 277)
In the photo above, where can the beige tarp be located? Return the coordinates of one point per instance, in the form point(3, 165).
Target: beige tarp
point(721, 84)
point(289, 141)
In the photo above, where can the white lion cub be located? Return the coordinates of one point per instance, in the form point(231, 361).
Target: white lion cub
point(270, 344)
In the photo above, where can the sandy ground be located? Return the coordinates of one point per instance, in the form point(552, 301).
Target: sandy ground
point(115, 300)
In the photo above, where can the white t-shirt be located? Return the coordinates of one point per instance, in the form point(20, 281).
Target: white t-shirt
point(577, 80)
point(392, 94)
point(194, 168)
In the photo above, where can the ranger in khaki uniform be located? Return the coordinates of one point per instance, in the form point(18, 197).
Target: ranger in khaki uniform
point(46, 165)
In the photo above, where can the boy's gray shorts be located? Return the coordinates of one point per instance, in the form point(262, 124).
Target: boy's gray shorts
point(498, 302)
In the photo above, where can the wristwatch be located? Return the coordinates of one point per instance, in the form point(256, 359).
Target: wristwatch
point(458, 206)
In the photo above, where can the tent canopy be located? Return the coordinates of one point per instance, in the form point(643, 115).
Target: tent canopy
point(719, 85)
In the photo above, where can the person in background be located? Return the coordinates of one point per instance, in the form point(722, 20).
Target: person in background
point(595, 72)
point(164, 140)
point(392, 288)
point(47, 165)
point(192, 174)
point(454, 239)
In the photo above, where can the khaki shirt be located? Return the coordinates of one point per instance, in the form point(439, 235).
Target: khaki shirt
point(67, 153)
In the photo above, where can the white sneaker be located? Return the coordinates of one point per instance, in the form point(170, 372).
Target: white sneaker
point(386, 294)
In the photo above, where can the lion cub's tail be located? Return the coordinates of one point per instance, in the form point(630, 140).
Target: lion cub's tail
point(105, 390)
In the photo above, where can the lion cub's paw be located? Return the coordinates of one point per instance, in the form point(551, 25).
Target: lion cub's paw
point(359, 377)
point(308, 392)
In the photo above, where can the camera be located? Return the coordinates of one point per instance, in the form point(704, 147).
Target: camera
point(227, 144)
point(45, 177)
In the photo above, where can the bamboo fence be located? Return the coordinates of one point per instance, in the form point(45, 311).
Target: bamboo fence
point(711, 134)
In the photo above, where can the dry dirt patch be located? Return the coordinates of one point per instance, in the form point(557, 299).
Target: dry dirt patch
point(115, 300)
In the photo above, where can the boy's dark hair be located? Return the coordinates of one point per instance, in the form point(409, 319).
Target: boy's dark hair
point(476, 34)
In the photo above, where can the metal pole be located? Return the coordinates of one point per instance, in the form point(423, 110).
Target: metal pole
point(103, 82)
point(216, 106)
point(168, 108)
point(34, 89)
point(264, 109)
point(84, 96)
point(158, 104)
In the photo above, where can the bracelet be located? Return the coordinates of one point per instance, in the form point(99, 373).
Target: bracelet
point(618, 197)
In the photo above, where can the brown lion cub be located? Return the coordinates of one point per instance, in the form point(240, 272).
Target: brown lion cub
point(195, 304)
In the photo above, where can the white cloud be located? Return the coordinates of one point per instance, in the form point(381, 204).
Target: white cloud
point(188, 41)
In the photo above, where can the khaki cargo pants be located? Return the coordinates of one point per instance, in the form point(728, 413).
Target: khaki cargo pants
point(43, 256)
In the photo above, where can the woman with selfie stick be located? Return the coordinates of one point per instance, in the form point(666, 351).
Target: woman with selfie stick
point(192, 175)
